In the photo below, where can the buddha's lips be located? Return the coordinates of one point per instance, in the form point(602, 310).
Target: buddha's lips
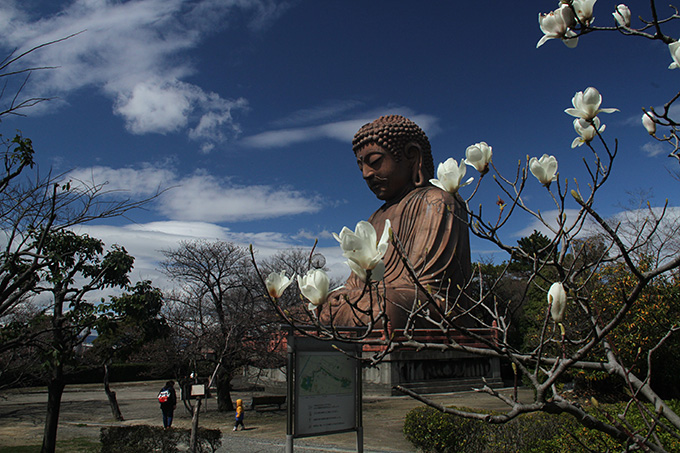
point(376, 183)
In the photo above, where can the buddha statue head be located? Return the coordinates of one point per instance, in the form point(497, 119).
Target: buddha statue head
point(394, 156)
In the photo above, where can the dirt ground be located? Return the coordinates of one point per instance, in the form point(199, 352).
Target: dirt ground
point(85, 410)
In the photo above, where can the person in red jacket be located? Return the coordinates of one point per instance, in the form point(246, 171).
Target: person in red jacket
point(168, 399)
point(239, 415)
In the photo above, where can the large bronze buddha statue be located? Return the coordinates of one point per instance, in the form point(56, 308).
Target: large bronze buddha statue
point(395, 159)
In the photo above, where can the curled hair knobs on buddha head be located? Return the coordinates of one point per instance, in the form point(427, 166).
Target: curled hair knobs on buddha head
point(393, 133)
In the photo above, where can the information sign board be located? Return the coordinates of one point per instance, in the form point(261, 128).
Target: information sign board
point(325, 388)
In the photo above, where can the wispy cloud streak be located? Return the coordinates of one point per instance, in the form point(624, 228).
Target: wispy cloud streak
point(137, 53)
point(200, 196)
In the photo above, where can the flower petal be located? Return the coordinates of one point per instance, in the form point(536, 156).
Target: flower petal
point(573, 112)
point(437, 183)
point(378, 272)
point(357, 269)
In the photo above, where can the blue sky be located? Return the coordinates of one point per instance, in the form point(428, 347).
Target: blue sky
point(247, 108)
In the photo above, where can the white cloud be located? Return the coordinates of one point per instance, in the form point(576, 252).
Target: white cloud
point(134, 53)
point(340, 130)
point(178, 229)
point(652, 231)
point(152, 107)
point(551, 221)
point(324, 112)
point(673, 111)
point(147, 241)
point(200, 196)
point(655, 148)
point(210, 127)
point(142, 182)
point(311, 236)
point(203, 196)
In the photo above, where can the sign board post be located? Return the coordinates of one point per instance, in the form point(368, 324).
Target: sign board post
point(324, 389)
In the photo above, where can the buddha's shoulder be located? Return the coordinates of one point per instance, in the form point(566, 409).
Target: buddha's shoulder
point(432, 194)
point(420, 198)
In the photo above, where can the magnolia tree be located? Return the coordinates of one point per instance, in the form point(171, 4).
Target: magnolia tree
point(566, 261)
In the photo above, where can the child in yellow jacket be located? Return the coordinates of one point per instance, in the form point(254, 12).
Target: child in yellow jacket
point(239, 415)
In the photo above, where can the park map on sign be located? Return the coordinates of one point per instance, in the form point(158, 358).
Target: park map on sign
point(326, 375)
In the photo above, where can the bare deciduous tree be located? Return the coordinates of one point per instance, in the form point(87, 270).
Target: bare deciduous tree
point(218, 310)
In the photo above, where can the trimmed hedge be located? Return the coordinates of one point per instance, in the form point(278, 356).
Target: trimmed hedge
point(432, 431)
point(148, 439)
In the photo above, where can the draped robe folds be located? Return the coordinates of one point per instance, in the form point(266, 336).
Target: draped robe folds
point(432, 227)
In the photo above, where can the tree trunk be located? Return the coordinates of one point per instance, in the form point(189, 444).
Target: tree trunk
point(55, 390)
point(56, 384)
point(224, 403)
point(113, 402)
point(193, 441)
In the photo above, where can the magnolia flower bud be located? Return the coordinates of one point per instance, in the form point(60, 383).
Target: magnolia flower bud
point(674, 49)
point(314, 286)
point(556, 24)
point(544, 169)
point(649, 123)
point(586, 131)
point(478, 156)
point(277, 283)
point(587, 104)
point(363, 250)
point(557, 299)
point(622, 15)
point(584, 10)
point(450, 175)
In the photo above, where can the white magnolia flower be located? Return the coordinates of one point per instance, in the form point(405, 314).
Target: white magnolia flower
point(544, 169)
point(557, 300)
point(649, 123)
point(557, 24)
point(478, 156)
point(587, 104)
point(586, 130)
point(450, 175)
point(584, 10)
point(674, 48)
point(622, 15)
point(362, 249)
point(276, 283)
point(377, 273)
point(314, 286)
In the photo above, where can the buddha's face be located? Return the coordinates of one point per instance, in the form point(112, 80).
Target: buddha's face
point(388, 179)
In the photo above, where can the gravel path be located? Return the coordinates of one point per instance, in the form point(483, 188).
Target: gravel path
point(85, 410)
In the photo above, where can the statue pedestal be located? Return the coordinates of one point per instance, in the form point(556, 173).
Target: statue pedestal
point(423, 371)
point(432, 372)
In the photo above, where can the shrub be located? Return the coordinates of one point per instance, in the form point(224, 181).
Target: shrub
point(143, 439)
point(432, 431)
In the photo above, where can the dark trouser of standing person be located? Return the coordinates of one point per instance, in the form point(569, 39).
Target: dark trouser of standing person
point(239, 421)
point(167, 416)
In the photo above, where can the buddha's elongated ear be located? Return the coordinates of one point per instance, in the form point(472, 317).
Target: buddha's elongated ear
point(414, 156)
